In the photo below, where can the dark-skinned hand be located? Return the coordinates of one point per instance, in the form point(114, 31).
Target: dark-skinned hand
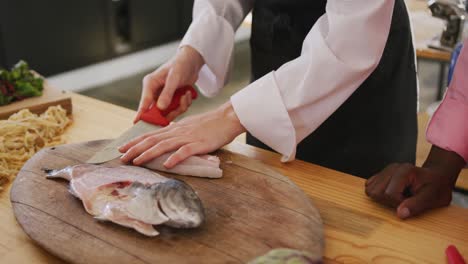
point(413, 190)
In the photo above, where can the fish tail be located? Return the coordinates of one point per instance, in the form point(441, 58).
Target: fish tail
point(50, 173)
point(53, 173)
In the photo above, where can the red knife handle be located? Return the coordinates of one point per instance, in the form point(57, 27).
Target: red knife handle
point(453, 256)
point(157, 117)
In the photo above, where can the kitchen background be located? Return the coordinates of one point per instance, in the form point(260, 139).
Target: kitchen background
point(103, 48)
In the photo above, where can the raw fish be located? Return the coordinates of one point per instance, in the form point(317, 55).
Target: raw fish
point(206, 166)
point(133, 197)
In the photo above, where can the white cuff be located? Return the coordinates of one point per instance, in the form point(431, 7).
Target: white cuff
point(213, 37)
point(261, 111)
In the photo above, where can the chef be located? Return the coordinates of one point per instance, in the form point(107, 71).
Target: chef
point(414, 190)
point(334, 84)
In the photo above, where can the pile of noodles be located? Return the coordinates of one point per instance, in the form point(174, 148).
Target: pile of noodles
point(25, 133)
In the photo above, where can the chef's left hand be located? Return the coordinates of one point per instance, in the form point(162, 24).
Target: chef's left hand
point(194, 135)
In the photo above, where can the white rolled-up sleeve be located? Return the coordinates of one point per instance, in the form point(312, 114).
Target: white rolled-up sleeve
point(339, 53)
point(211, 33)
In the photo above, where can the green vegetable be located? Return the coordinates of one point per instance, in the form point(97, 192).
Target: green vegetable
point(286, 256)
point(19, 83)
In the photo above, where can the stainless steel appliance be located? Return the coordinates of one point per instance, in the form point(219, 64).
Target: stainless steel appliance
point(454, 13)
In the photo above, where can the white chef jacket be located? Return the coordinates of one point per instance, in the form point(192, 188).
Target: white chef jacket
point(282, 108)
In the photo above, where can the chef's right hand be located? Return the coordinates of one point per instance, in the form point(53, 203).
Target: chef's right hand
point(160, 85)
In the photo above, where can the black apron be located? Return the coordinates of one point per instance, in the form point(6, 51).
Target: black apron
point(377, 125)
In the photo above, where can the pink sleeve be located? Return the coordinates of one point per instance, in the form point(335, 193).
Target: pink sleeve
point(448, 128)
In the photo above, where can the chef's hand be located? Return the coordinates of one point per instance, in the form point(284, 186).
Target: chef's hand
point(413, 190)
point(160, 85)
point(194, 135)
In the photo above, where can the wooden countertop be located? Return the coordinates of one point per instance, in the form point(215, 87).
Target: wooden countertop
point(357, 230)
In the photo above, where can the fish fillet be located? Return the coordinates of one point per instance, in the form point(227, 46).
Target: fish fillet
point(133, 197)
point(200, 166)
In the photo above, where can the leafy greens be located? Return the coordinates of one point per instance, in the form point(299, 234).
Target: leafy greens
point(19, 83)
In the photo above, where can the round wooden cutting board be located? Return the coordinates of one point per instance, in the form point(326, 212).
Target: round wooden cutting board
point(249, 211)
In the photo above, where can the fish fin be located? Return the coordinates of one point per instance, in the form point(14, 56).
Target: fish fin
point(72, 191)
point(100, 218)
point(146, 229)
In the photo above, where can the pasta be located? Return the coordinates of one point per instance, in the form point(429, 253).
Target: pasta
point(25, 133)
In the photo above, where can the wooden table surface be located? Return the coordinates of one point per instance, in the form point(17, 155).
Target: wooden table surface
point(433, 54)
point(357, 230)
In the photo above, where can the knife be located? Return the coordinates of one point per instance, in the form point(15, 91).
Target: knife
point(453, 255)
point(150, 120)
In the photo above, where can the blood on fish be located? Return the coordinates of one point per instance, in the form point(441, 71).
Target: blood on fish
point(119, 185)
point(123, 184)
point(115, 193)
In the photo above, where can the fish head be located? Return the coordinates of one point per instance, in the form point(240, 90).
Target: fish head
point(179, 202)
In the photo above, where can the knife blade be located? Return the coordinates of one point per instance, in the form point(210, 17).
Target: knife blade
point(150, 120)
